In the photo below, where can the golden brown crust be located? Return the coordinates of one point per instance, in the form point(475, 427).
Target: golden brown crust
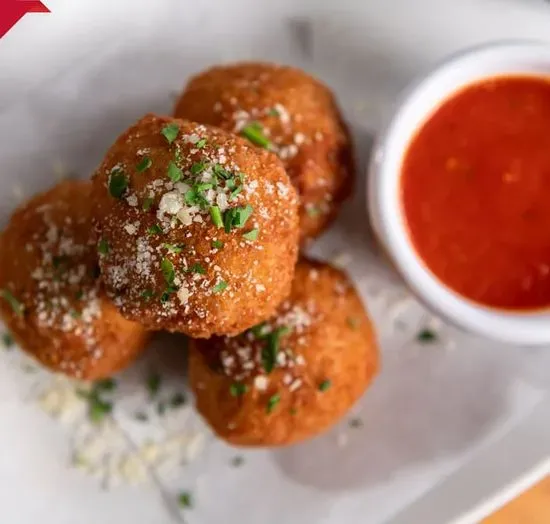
point(299, 116)
point(170, 266)
point(48, 264)
point(323, 365)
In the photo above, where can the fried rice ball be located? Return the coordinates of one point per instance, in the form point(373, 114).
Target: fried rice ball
point(293, 376)
point(201, 228)
point(289, 112)
point(51, 299)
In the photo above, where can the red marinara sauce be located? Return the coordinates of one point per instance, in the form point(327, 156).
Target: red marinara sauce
point(475, 188)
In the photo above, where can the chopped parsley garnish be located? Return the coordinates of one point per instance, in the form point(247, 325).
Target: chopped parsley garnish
point(153, 384)
point(236, 217)
point(235, 192)
point(15, 305)
point(251, 235)
point(201, 143)
point(147, 203)
point(352, 322)
point(197, 268)
point(155, 229)
point(98, 409)
point(185, 500)
point(75, 314)
point(144, 165)
point(271, 348)
point(177, 400)
point(107, 384)
point(273, 402)
point(165, 297)
point(175, 174)
point(217, 244)
point(216, 216)
point(355, 423)
point(118, 183)
point(168, 271)
point(255, 133)
point(237, 461)
point(197, 168)
point(103, 247)
point(238, 389)
point(7, 340)
point(58, 262)
point(221, 172)
point(219, 287)
point(170, 132)
point(141, 416)
point(259, 330)
point(273, 112)
point(323, 386)
point(148, 294)
point(174, 248)
point(313, 211)
point(426, 335)
point(79, 295)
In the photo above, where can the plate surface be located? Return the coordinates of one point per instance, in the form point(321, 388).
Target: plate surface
point(72, 80)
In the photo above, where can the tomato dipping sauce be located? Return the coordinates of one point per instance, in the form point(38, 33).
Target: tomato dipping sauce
point(475, 191)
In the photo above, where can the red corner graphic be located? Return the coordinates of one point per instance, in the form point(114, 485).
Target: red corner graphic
point(11, 11)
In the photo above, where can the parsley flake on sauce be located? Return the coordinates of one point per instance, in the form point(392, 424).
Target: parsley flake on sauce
point(15, 305)
point(216, 216)
point(170, 132)
point(168, 271)
point(219, 287)
point(217, 244)
point(175, 174)
point(185, 500)
point(147, 203)
point(144, 164)
point(103, 247)
point(155, 229)
point(255, 133)
point(251, 235)
point(273, 402)
point(323, 386)
point(238, 389)
point(118, 183)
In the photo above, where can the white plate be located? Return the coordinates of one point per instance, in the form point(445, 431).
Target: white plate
point(73, 79)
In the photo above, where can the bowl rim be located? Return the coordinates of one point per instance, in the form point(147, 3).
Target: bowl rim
point(517, 327)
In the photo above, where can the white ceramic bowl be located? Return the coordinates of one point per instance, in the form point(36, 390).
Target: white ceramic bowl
point(420, 101)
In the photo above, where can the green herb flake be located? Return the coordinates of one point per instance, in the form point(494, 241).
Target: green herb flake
point(58, 262)
point(236, 217)
point(219, 287)
point(174, 248)
point(254, 132)
point(15, 305)
point(79, 295)
point(175, 174)
point(170, 132)
point(99, 409)
point(103, 247)
point(148, 294)
point(271, 348)
point(107, 384)
point(260, 330)
point(144, 164)
point(75, 314)
point(323, 386)
point(155, 229)
point(153, 384)
point(352, 322)
point(235, 192)
point(251, 235)
point(168, 271)
point(177, 400)
point(237, 461)
point(118, 183)
point(217, 244)
point(216, 216)
point(201, 143)
point(7, 340)
point(238, 389)
point(197, 268)
point(273, 112)
point(197, 168)
point(185, 500)
point(272, 403)
point(426, 336)
point(147, 203)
